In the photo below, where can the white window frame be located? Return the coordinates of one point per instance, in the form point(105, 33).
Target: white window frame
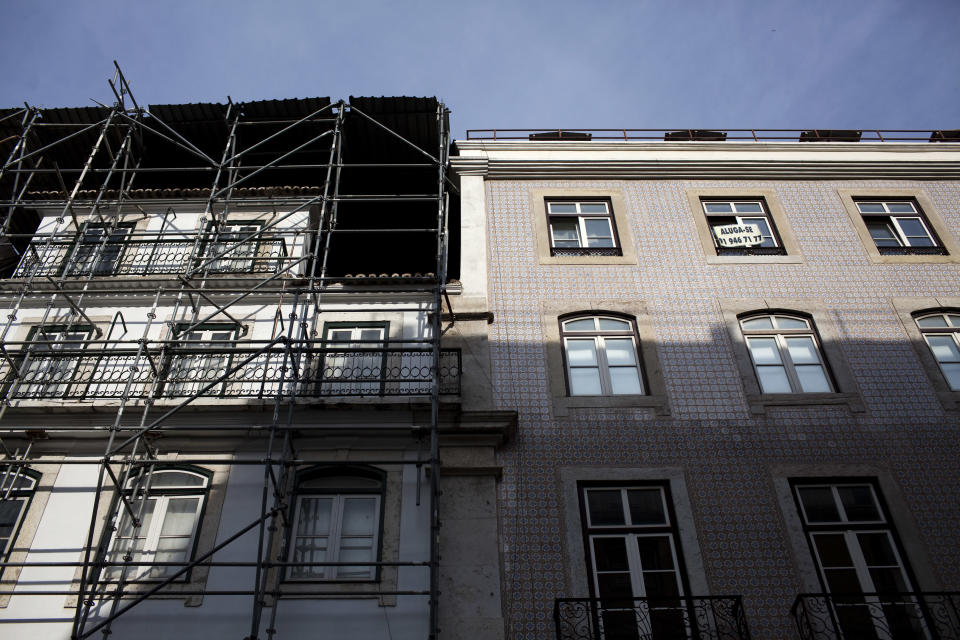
point(598, 337)
point(161, 495)
point(242, 258)
point(330, 383)
point(201, 362)
point(950, 331)
point(893, 220)
point(742, 218)
point(335, 537)
point(780, 336)
point(581, 219)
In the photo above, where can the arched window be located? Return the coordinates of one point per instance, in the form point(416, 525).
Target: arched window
point(942, 333)
point(17, 485)
point(786, 354)
point(600, 354)
point(337, 518)
point(169, 524)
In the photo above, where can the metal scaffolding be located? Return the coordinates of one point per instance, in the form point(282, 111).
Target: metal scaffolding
point(296, 157)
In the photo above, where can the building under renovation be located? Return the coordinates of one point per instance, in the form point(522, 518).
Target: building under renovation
point(239, 341)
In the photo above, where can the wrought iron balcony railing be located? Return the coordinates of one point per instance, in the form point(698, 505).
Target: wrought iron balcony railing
point(312, 371)
point(878, 616)
point(680, 618)
point(151, 255)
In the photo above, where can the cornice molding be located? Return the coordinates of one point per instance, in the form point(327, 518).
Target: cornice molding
point(504, 169)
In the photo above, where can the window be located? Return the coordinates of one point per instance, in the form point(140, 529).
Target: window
point(169, 503)
point(581, 228)
point(203, 357)
point(93, 256)
point(786, 354)
point(17, 485)
point(742, 228)
point(898, 227)
point(601, 356)
point(941, 331)
point(49, 370)
point(632, 549)
point(337, 518)
point(240, 259)
point(354, 362)
point(858, 556)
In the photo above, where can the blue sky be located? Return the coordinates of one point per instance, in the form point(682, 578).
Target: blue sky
point(603, 64)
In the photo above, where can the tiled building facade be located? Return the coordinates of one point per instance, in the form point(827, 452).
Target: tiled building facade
point(735, 459)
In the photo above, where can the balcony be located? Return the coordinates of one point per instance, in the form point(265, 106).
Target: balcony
point(253, 370)
point(680, 618)
point(878, 616)
point(154, 254)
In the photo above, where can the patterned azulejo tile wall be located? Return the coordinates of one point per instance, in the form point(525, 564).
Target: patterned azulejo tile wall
point(726, 453)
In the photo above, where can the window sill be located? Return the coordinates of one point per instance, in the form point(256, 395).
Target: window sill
point(658, 403)
point(771, 259)
point(366, 589)
point(759, 402)
point(598, 260)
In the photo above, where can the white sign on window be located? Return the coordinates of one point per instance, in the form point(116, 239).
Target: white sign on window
point(738, 235)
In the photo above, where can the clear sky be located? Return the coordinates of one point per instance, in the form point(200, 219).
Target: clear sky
point(891, 64)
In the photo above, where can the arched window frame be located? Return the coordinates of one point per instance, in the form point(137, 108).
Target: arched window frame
point(781, 332)
point(943, 341)
point(13, 491)
point(600, 336)
point(351, 478)
point(151, 530)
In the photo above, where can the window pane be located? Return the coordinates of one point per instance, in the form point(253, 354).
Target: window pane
point(932, 321)
point(845, 581)
point(358, 516)
point(786, 322)
point(16, 478)
point(625, 381)
point(953, 319)
point(773, 379)
point(877, 550)
point(180, 517)
point(748, 207)
point(314, 516)
point(655, 553)
point(758, 324)
point(764, 227)
point(832, 549)
point(858, 503)
point(170, 550)
point(813, 379)
point(609, 324)
point(565, 233)
point(593, 207)
point(764, 350)
point(610, 554)
point(664, 585)
point(562, 207)
point(883, 234)
point(952, 373)
point(173, 479)
point(586, 324)
point(585, 382)
point(646, 506)
point(605, 507)
point(890, 580)
point(802, 350)
point(818, 504)
point(944, 348)
point(581, 353)
point(9, 513)
point(620, 351)
point(870, 207)
point(717, 207)
point(615, 585)
point(599, 233)
point(900, 207)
